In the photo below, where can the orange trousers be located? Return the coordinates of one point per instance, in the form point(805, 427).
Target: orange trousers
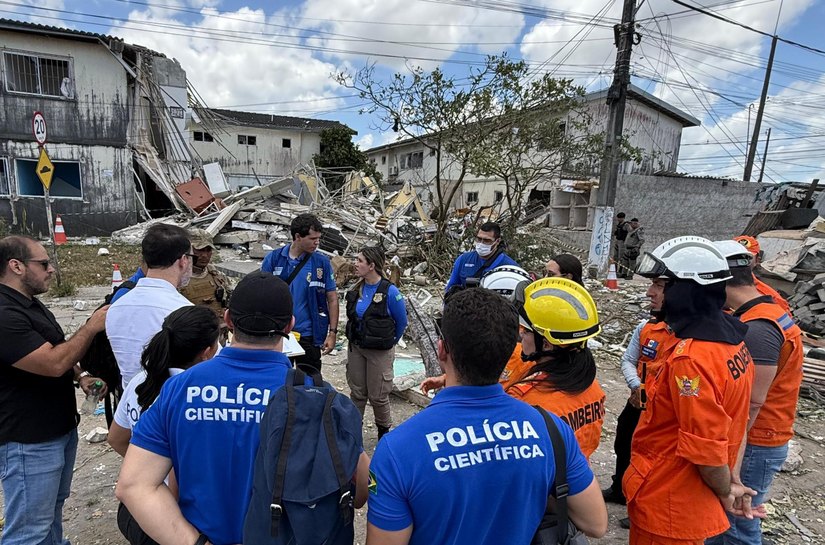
point(640, 537)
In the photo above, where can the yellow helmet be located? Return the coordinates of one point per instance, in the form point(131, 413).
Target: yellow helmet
point(561, 311)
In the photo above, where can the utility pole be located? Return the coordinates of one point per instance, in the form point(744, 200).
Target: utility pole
point(761, 110)
point(765, 156)
point(600, 241)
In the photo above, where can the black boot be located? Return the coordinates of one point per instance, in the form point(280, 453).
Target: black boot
point(382, 431)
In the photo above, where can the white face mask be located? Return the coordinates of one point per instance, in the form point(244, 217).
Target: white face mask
point(484, 249)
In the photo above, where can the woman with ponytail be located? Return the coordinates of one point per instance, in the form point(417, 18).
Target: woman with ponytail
point(558, 371)
point(376, 319)
point(189, 335)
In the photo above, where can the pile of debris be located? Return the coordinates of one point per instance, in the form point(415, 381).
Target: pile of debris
point(808, 304)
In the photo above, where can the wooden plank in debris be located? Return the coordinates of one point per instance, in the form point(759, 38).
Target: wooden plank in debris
point(239, 237)
point(223, 218)
point(249, 226)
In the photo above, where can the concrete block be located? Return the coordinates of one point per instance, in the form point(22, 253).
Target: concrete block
point(802, 314)
point(806, 287)
point(816, 307)
point(821, 294)
point(259, 250)
point(238, 269)
point(806, 300)
point(237, 224)
point(238, 237)
point(97, 435)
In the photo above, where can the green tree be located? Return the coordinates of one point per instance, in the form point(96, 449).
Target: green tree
point(339, 156)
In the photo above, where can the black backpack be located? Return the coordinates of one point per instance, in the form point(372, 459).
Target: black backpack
point(301, 487)
point(100, 361)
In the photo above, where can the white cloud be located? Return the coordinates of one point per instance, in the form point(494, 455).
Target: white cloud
point(234, 59)
point(365, 142)
point(424, 29)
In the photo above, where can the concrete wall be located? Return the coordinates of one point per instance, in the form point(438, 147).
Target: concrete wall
point(88, 129)
point(96, 115)
point(656, 134)
point(668, 207)
point(268, 158)
point(107, 200)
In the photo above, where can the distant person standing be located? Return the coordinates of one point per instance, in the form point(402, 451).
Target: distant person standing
point(208, 286)
point(619, 235)
point(312, 285)
point(487, 255)
point(38, 410)
point(376, 319)
point(632, 248)
point(135, 318)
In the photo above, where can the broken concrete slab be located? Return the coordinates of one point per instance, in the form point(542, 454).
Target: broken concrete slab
point(263, 192)
point(97, 435)
point(236, 224)
point(238, 237)
point(259, 250)
point(223, 218)
point(238, 269)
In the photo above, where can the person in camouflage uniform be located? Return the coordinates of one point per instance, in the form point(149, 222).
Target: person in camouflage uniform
point(208, 286)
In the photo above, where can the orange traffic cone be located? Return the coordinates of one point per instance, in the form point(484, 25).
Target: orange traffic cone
point(117, 278)
point(59, 233)
point(612, 281)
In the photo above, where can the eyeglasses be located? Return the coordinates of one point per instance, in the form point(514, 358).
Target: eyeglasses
point(45, 262)
point(193, 257)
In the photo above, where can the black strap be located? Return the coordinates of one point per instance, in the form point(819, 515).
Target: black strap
point(345, 501)
point(275, 508)
point(561, 486)
point(487, 262)
point(297, 268)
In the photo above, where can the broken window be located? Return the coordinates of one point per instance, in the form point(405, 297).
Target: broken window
point(65, 180)
point(412, 160)
point(201, 136)
point(472, 197)
point(38, 75)
point(286, 143)
point(5, 188)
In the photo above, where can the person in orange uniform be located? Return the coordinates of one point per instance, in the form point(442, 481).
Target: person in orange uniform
point(680, 480)
point(557, 371)
point(651, 343)
point(752, 245)
point(775, 343)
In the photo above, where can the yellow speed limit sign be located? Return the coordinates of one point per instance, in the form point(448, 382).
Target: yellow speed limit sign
point(45, 169)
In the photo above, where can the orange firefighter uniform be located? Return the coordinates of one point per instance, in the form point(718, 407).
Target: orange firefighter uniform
point(697, 414)
point(765, 289)
point(584, 412)
point(774, 423)
point(656, 342)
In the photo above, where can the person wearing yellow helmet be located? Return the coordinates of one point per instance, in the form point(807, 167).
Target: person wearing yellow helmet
point(558, 371)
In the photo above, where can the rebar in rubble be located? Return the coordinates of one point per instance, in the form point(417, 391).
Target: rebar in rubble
point(424, 332)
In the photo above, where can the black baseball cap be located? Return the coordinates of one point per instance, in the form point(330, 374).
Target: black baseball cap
point(261, 305)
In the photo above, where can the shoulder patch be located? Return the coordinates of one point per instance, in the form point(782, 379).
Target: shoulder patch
point(680, 348)
point(688, 387)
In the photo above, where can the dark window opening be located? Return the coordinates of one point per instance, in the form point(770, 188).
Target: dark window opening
point(65, 181)
point(286, 143)
point(5, 187)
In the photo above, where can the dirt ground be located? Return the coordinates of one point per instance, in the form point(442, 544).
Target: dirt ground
point(797, 504)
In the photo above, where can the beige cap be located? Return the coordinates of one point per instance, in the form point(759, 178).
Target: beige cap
point(201, 239)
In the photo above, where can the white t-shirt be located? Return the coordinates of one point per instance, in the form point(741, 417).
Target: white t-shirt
point(128, 410)
point(136, 317)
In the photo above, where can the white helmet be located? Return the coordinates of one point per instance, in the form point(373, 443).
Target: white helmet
point(736, 254)
point(503, 280)
point(688, 258)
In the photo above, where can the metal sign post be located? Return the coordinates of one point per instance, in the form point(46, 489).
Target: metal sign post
point(45, 171)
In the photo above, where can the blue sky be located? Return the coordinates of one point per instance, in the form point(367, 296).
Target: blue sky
point(278, 58)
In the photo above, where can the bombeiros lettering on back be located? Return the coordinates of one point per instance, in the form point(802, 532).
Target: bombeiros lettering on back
point(738, 365)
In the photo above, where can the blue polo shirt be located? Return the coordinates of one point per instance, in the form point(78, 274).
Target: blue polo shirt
point(395, 305)
point(316, 273)
point(469, 262)
point(476, 466)
point(207, 421)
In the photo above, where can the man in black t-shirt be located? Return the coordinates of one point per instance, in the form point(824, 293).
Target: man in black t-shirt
point(38, 413)
point(619, 236)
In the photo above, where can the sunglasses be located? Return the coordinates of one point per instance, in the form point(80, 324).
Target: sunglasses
point(44, 262)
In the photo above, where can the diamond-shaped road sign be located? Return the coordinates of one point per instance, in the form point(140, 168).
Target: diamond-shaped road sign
point(45, 169)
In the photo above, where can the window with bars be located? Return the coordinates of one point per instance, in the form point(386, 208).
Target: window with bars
point(38, 75)
point(472, 197)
